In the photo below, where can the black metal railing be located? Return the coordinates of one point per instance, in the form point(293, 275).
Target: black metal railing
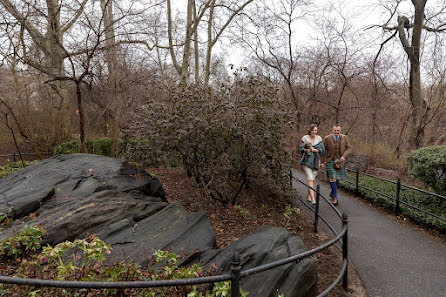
point(344, 244)
point(234, 276)
point(397, 195)
point(316, 209)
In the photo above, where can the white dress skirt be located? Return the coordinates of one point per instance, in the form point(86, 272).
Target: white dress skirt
point(310, 173)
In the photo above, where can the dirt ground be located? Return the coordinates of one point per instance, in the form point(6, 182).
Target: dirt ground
point(256, 207)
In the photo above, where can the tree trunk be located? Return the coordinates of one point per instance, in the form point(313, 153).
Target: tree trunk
point(81, 115)
point(196, 50)
point(187, 43)
point(170, 37)
point(54, 59)
point(420, 108)
point(111, 60)
point(207, 67)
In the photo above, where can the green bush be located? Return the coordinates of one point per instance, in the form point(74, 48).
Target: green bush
point(148, 152)
point(13, 167)
point(27, 241)
point(428, 164)
point(98, 146)
point(423, 201)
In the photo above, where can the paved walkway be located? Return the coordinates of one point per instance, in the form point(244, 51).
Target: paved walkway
point(392, 259)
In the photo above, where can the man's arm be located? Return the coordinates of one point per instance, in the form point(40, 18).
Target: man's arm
point(324, 159)
point(348, 148)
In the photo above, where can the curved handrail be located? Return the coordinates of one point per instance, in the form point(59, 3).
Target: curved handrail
point(344, 244)
point(113, 285)
point(327, 200)
point(166, 283)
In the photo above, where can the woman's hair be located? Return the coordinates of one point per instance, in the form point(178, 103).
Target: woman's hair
point(312, 126)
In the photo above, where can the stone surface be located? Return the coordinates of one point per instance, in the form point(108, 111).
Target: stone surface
point(72, 196)
point(267, 245)
point(171, 228)
point(71, 176)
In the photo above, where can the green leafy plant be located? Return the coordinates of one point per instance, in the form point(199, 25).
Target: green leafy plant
point(221, 289)
point(428, 164)
point(4, 292)
point(99, 146)
point(85, 260)
point(13, 167)
point(242, 210)
point(86, 254)
point(288, 214)
point(6, 218)
point(26, 242)
point(291, 211)
point(170, 270)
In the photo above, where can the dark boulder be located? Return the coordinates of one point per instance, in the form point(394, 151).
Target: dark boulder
point(80, 194)
point(267, 245)
point(171, 228)
point(73, 176)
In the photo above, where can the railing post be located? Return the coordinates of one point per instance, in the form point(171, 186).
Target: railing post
point(398, 190)
point(316, 212)
point(235, 275)
point(357, 183)
point(291, 178)
point(345, 248)
point(14, 158)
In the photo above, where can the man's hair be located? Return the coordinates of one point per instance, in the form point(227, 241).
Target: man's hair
point(337, 125)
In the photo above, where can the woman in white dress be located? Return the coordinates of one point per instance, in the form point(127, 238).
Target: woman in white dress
point(311, 148)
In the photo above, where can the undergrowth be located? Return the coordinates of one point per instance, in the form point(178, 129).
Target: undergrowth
point(86, 260)
point(13, 167)
point(381, 154)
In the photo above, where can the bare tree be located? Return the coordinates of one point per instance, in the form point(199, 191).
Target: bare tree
point(29, 16)
point(77, 34)
point(229, 13)
point(219, 15)
point(410, 30)
point(271, 37)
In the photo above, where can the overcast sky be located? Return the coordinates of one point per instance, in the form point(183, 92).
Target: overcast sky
point(360, 13)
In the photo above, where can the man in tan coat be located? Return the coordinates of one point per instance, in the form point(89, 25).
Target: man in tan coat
point(337, 148)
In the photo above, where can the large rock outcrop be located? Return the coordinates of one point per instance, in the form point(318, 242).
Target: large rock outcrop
point(71, 177)
point(72, 196)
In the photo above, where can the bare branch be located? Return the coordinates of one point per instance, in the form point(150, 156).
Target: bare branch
point(76, 16)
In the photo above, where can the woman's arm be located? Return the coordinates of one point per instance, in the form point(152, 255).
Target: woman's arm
point(320, 148)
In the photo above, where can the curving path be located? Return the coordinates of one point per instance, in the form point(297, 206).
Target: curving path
point(392, 259)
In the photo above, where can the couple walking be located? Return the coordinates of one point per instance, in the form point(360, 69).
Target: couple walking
point(329, 154)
